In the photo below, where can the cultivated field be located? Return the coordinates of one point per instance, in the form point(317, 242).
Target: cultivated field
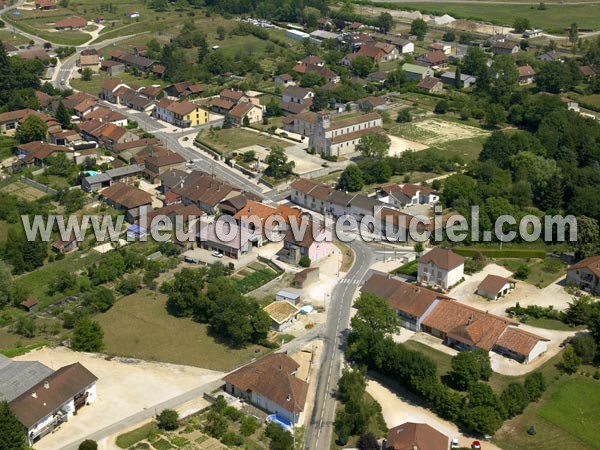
point(433, 132)
point(23, 191)
point(139, 326)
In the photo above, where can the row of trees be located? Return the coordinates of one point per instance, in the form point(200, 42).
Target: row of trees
point(479, 408)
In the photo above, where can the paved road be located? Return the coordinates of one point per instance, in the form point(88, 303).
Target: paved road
point(144, 415)
point(319, 428)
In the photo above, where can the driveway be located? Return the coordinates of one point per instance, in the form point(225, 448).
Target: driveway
point(397, 409)
point(125, 387)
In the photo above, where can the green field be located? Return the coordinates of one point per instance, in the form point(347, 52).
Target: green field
point(15, 39)
point(226, 141)
point(139, 326)
point(566, 417)
point(554, 18)
point(93, 86)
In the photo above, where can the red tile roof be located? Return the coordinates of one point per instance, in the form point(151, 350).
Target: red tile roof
point(419, 436)
point(126, 195)
point(493, 283)
point(519, 341)
point(443, 258)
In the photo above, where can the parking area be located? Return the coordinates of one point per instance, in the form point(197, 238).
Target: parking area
point(125, 387)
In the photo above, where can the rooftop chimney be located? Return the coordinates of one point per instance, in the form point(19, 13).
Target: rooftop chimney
point(34, 394)
point(46, 385)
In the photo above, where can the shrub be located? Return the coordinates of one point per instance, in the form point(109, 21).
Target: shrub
point(88, 444)
point(168, 419)
point(232, 439)
point(304, 261)
point(248, 425)
point(441, 107)
point(531, 430)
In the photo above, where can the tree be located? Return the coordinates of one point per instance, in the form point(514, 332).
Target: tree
point(585, 347)
point(5, 284)
point(320, 101)
point(227, 122)
point(87, 336)
point(494, 115)
point(312, 79)
point(367, 441)
point(351, 179)
point(441, 107)
point(12, 436)
point(86, 74)
point(521, 24)
point(362, 65)
point(570, 362)
point(578, 311)
point(588, 237)
point(515, 399)
point(280, 438)
point(215, 425)
point(470, 367)
point(573, 33)
point(220, 33)
point(403, 116)
point(304, 261)
point(385, 22)
point(63, 116)
point(458, 83)
point(535, 385)
point(311, 16)
point(374, 312)
point(373, 145)
point(32, 129)
point(168, 420)
point(88, 444)
point(419, 248)
point(278, 166)
point(503, 77)
point(475, 61)
point(418, 27)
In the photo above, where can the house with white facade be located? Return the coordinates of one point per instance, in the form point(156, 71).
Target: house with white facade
point(586, 274)
point(54, 400)
point(440, 268)
point(271, 384)
point(493, 287)
point(403, 195)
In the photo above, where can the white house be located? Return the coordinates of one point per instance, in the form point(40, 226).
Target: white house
point(441, 268)
point(586, 274)
point(405, 195)
point(271, 384)
point(54, 400)
point(296, 94)
point(520, 345)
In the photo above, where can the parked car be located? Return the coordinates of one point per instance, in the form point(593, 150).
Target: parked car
point(217, 254)
point(454, 443)
point(476, 445)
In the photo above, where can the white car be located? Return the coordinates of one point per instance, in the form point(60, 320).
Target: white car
point(454, 443)
point(217, 254)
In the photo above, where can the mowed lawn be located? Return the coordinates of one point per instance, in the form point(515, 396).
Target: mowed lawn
point(139, 326)
point(567, 417)
point(226, 141)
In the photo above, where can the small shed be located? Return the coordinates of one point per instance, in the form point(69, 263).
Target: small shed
point(282, 314)
point(285, 296)
point(65, 246)
point(494, 287)
point(29, 304)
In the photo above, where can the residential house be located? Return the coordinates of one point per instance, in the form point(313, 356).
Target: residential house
point(417, 72)
point(316, 243)
point(112, 68)
point(37, 153)
point(586, 274)
point(132, 14)
point(325, 23)
point(121, 174)
point(54, 400)
point(286, 79)
point(138, 62)
point(354, 40)
point(588, 72)
point(378, 77)
point(232, 205)
point(128, 198)
point(283, 314)
point(310, 61)
point(534, 33)
point(246, 111)
point(65, 245)
point(44, 5)
point(439, 46)
point(317, 37)
point(303, 123)
point(405, 195)
point(9, 121)
point(338, 138)
point(89, 58)
point(411, 302)
point(183, 89)
point(270, 220)
point(572, 105)
point(158, 162)
point(550, 56)
point(505, 47)
point(106, 115)
point(141, 103)
point(520, 345)
point(296, 100)
point(271, 384)
point(238, 243)
point(199, 188)
point(71, 23)
point(493, 287)
point(449, 78)
point(437, 60)
point(133, 147)
point(526, 74)
point(380, 52)
point(415, 436)
point(43, 99)
point(430, 85)
point(181, 114)
point(372, 104)
point(440, 268)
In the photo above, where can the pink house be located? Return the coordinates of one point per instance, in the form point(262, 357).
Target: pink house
point(315, 244)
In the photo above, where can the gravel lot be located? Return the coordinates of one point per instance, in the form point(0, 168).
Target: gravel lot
point(125, 387)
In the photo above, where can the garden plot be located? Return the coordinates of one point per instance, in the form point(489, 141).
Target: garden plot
point(23, 191)
point(432, 132)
